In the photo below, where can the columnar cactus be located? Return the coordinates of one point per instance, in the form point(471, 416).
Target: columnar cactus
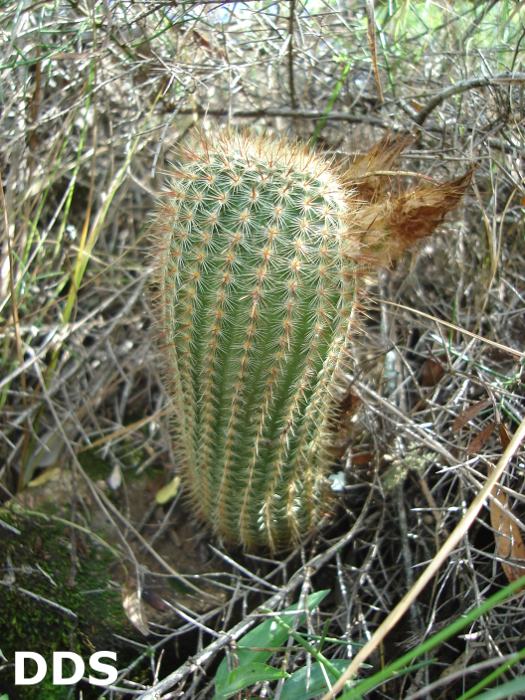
point(263, 249)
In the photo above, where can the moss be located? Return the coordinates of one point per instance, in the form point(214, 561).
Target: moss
point(129, 455)
point(27, 624)
point(94, 465)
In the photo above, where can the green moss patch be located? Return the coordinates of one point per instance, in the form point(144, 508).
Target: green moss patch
point(47, 604)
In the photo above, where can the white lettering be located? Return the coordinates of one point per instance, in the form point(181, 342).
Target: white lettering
point(20, 657)
point(58, 657)
point(110, 671)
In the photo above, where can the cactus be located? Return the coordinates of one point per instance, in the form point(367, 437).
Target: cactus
point(263, 247)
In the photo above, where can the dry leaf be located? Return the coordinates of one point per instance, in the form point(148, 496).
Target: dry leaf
point(48, 475)
point(132, 605)
point(432, 373)
point(481, 439)
point(504, 437)
point(51, 448)
point(509, 543)
point(152, 598)
point(471, 412)
point(166, 493)
point(460, 663)
point(363, 458)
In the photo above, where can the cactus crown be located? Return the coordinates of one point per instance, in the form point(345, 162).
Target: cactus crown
point(262, 248)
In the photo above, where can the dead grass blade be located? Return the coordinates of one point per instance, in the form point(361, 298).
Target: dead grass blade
point(450, 544)
point(371, 27)
point(452, 326)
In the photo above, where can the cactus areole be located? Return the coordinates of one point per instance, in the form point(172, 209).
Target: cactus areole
point(263, 247)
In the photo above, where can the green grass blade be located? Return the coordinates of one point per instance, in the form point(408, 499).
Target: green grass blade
point(493, 676)
point(502, 692)
point(331, 101)
point(392, 669)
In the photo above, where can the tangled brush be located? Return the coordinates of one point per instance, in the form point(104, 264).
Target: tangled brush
point(263, 247)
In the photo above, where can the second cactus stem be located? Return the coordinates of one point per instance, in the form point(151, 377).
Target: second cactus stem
point(262, 251)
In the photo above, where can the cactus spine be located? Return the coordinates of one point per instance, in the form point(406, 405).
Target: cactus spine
point(262, 249)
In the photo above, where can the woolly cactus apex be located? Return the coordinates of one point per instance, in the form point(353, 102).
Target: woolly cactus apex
point(262, 249)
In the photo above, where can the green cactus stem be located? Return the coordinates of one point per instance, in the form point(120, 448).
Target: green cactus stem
point(263, 247)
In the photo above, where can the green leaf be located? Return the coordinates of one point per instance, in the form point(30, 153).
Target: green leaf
point(244, 676)
point(295, 687)
point(503, 691)
point(267, 634)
